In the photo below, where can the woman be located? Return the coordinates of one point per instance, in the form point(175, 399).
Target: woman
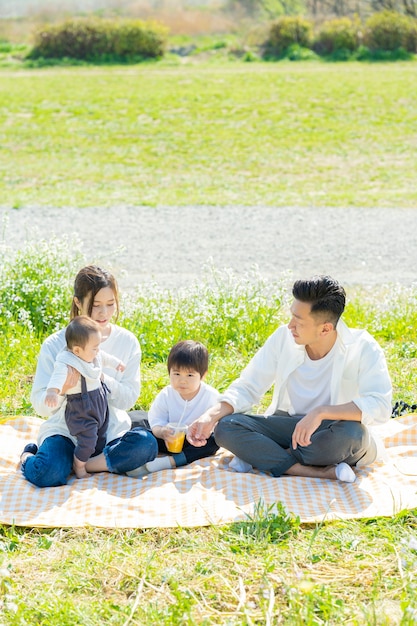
point(49, 463)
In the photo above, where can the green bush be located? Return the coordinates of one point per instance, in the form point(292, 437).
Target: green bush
point(285, 32)
point(99, 39)
point(297, 53)
point(36, 284)
point(365, 54)
point(133, 38)
point(224, 311)
point(390, 31)
point(337, 35)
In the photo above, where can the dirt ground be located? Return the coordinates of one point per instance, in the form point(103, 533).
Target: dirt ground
point(171, 245)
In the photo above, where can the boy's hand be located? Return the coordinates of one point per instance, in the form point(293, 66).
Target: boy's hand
point(163, 432)
point(121, 367)
point(166, 433)
point(51, 398)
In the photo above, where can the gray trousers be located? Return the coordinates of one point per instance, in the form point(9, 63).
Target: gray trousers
point(265, 442)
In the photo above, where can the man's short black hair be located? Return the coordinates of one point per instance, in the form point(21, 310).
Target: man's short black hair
point(189, 355)
point(326, 296)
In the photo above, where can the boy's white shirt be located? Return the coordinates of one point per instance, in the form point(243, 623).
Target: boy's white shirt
point(168, 405)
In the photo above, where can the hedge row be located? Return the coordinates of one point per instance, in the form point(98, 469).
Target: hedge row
point(100, 39)
point(385, 31)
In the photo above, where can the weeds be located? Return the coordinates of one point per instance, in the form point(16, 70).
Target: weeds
point(232, 314)
point(267, 524)
point(35, 290)
point(196, 576)
point(269, 569)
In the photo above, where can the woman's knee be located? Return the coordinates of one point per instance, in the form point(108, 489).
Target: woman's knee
point(52, 464)
point(137, 447)
point(43, 475)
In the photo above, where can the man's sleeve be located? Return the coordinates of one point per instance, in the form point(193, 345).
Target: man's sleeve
point(375, 389)
point(255, 380)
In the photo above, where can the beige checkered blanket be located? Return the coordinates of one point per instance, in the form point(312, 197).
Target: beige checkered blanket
point(203, 493)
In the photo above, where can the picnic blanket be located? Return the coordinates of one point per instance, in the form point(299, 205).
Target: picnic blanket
point(205, 492)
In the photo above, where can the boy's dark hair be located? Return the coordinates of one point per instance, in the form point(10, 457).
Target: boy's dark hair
point(326, 296)
point(79, 331)
point(189, 355)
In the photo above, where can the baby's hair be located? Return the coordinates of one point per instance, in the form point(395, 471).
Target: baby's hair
point(189, 355)
point(79, 331)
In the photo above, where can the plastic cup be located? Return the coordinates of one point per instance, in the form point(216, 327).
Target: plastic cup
point(176, 441)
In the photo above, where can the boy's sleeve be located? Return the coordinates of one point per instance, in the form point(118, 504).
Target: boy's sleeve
point(158, 414)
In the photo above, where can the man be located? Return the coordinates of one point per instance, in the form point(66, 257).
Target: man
point(330, 384)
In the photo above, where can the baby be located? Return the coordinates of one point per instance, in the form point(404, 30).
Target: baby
point(86, 410)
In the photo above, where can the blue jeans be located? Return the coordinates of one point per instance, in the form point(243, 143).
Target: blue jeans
point(52, 465)
point(189, 452)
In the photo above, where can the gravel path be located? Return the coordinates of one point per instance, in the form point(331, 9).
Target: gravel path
point(170, 245)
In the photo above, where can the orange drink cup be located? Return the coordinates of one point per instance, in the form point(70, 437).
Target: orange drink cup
point(176, 442)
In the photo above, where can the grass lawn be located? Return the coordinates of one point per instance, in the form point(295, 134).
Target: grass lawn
point(267, 571)
point(311, 134)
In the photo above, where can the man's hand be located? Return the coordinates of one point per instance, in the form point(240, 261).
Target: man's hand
point(201, 429)
point(311, 422)
point(305, 428)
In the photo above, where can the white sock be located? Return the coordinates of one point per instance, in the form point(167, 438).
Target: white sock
point(160, 463)
point(138, 472)
point(345, 473)
point(238, 465)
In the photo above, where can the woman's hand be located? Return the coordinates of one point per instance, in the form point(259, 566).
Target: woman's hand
point(72, 379)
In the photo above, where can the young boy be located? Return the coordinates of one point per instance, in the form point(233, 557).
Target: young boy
point(184, 399)
point(86, 410)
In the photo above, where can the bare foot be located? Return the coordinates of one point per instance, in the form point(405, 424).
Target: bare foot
point(79, 468)
point(310, 471)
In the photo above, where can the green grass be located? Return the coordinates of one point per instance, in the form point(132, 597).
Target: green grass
point(232, 313)
point(279, 134)
point(265, 572)
point(310, 134)
point(268, 570)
